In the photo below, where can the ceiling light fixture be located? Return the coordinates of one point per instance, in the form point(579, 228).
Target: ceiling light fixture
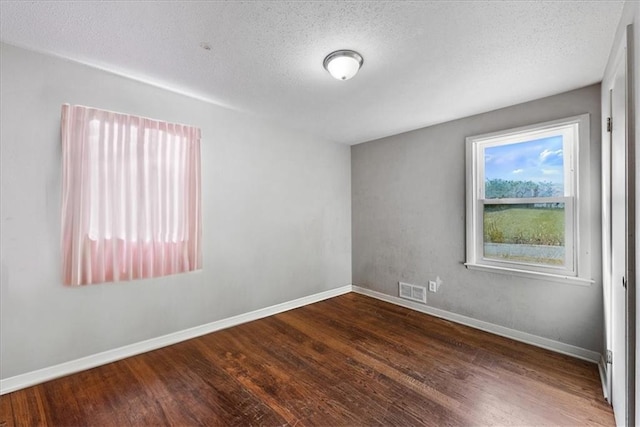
point(343, 64)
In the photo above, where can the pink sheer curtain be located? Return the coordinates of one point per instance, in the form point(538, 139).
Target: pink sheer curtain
point(130, 197)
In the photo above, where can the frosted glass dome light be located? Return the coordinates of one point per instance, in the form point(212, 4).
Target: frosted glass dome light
point(343, 64)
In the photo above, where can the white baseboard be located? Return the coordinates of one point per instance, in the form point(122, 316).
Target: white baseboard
point(559, 347)
point(41, 375)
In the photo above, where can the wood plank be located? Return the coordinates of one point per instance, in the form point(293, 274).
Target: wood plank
point(6, 411)
point(28, 407)
point(350, 360)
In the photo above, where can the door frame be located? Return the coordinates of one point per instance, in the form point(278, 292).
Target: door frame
point(624, 46)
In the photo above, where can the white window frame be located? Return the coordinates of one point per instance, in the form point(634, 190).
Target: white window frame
point(576, 268)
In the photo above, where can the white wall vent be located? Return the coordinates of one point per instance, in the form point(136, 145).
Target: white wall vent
point(412, 292)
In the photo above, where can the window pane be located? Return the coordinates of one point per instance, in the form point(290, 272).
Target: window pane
point(529, 233)
point(525, 169)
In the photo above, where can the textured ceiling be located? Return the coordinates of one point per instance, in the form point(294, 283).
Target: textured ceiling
point(424, 62)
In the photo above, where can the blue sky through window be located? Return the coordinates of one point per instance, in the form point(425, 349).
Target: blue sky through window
point(539, 160)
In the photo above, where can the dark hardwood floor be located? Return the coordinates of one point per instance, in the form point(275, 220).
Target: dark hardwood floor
point(350, 360)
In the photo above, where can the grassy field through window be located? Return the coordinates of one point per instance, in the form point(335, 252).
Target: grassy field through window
point(525, 233)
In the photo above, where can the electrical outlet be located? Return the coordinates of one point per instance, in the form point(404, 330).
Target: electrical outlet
point(433, 286)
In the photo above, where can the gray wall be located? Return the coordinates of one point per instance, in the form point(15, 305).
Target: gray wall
point(408, 224)
point(275, 206)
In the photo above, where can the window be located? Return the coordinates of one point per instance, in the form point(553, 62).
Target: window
point(131, 197)
point(527, 200)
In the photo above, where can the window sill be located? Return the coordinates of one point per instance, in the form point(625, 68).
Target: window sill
point(571, 280)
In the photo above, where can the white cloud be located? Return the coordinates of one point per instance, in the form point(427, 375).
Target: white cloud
point(518, 171)
point(546, 153)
